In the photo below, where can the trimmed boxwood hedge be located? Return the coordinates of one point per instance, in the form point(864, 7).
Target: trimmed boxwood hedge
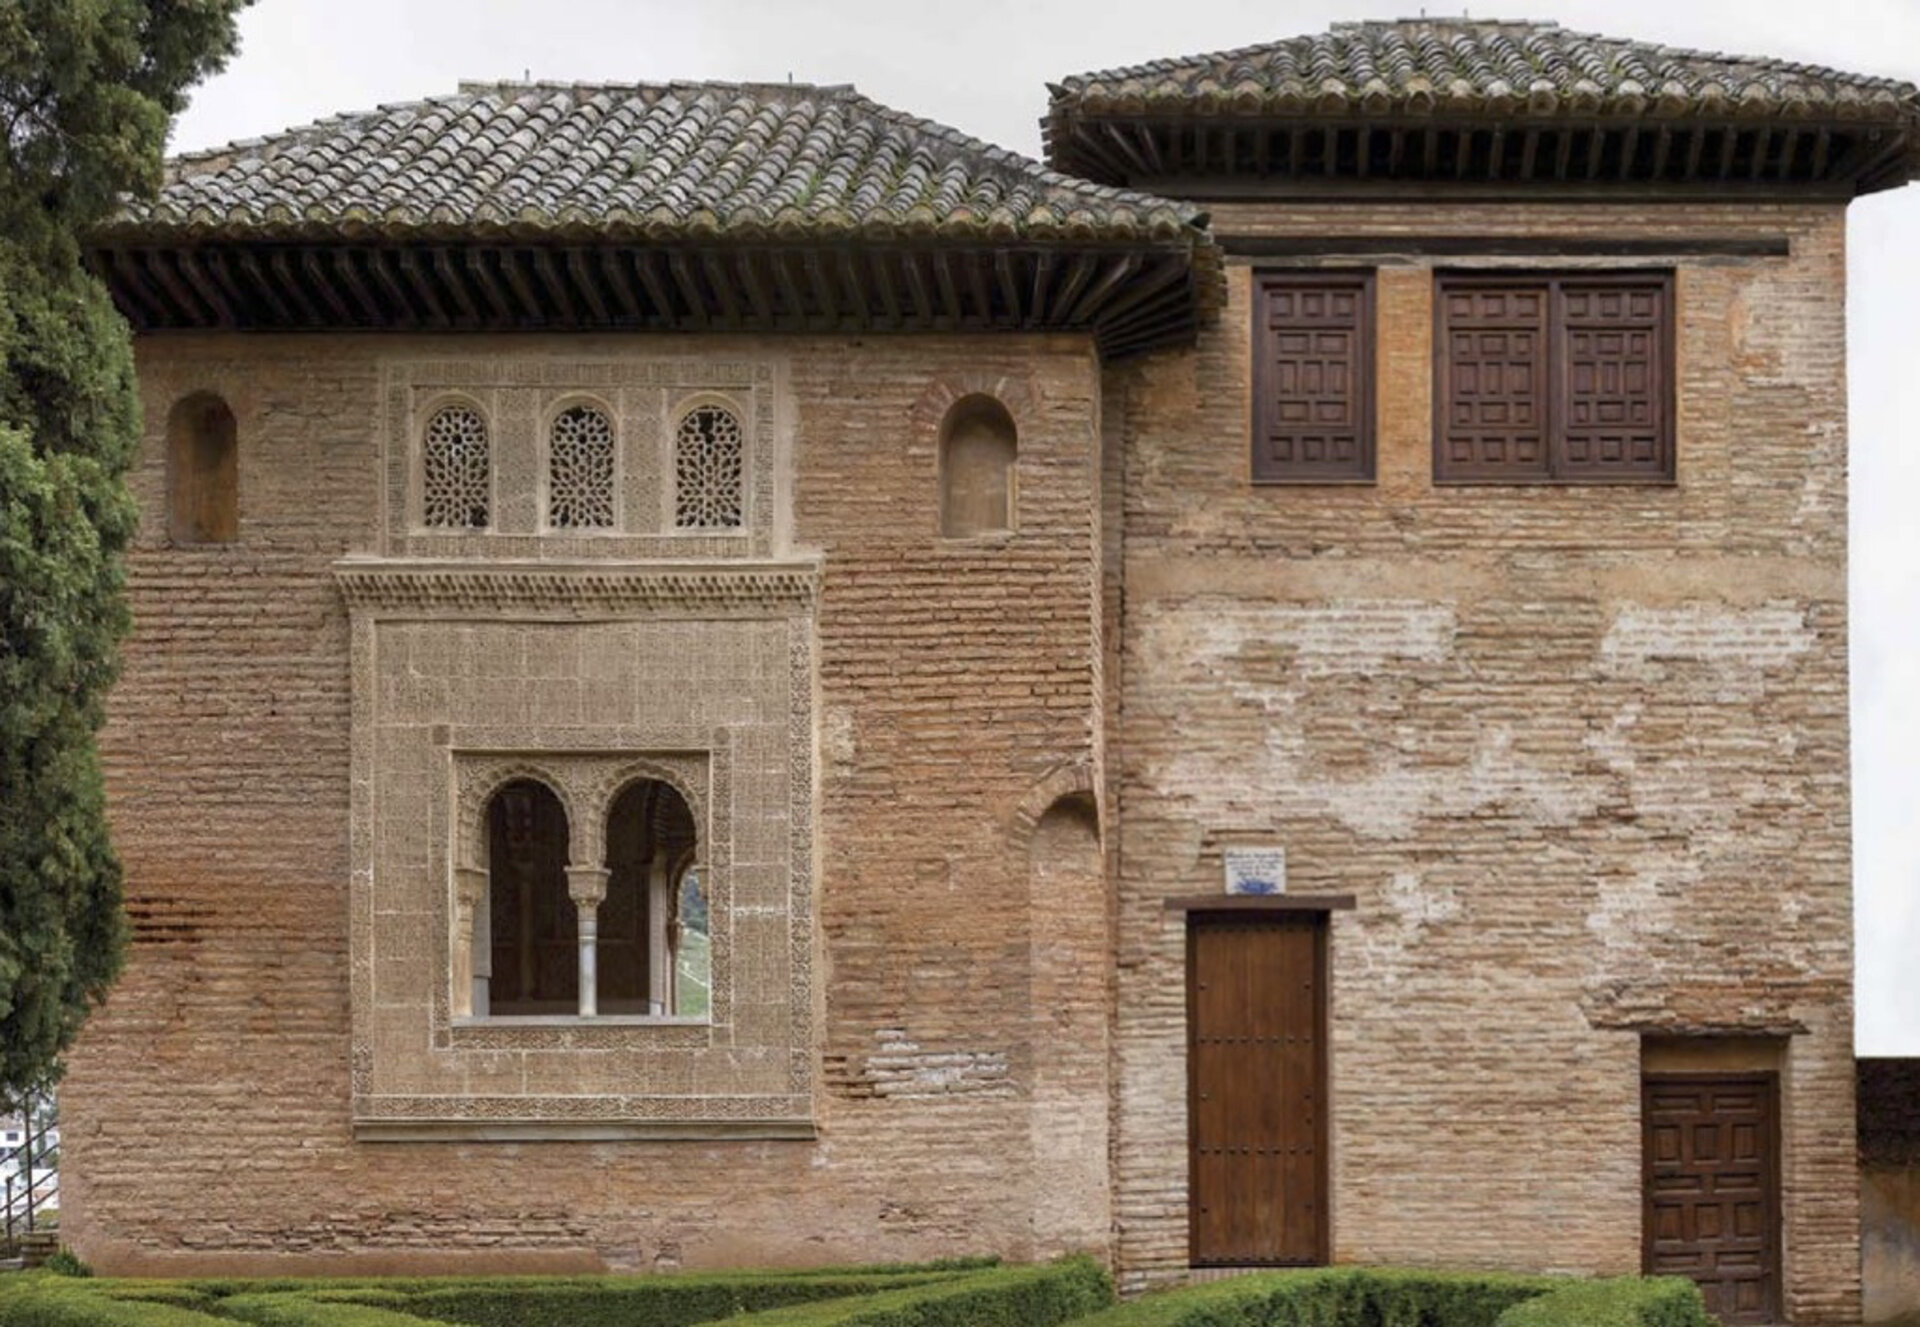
point(34, 1300)
point(1042, 1296)
point(1389, 1297)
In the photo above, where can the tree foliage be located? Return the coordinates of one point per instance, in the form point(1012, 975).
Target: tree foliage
point(87, 90)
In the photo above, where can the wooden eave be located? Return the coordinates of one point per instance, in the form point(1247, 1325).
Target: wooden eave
point(1225, 155)
point(1128, 297)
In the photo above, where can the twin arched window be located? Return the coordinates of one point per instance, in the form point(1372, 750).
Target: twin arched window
point(709, 470)
point(648, 935)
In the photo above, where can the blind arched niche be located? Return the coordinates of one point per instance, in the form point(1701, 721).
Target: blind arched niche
point(979, 450)
point(203, 471)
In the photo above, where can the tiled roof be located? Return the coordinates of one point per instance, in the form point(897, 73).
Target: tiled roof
point(696, 162)
point(1536, 68)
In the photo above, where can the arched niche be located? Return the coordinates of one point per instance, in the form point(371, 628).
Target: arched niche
point(653, 951)
point(533, 922)
point(203, 471)
point(979, 450)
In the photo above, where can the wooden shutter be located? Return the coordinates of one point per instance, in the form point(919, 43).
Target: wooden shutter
point(1492, 387)
point(1554, 379)
point(1613, 392)
point(1313, 378)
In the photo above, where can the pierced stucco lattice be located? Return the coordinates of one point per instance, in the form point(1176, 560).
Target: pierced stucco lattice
point(580, 470)
point(455, 469)
point(707, 470)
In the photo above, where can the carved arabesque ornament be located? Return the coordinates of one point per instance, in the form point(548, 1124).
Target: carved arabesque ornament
point(456, 473)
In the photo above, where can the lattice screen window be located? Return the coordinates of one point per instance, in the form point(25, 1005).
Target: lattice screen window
point(580, 470)
point(708, 470)
point(1313, 378)
point(1555, 380)
point(456, 470)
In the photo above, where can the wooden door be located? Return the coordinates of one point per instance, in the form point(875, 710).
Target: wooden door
point(1257, 1090)
point(1713, 1188)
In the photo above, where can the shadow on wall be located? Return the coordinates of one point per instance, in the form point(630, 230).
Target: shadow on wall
point(1889, 1120)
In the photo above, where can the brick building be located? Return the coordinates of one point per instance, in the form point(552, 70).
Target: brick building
point(707, 654)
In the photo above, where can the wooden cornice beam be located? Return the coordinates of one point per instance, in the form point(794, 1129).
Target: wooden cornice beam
point(204, 288)
point(1728, 141)
point(1009, 287)
point(1629, 144)
point(1149, 148)
point(721, 282)
point(406, 294)
point(1429, 152)
point(1070, 287)
point(1144, 289)
point(1696, 148)
point(584, 282)
point(280, 263)
point(1496, 153)
point(1119, 271)
point(1529, 149)
point(790, 291)
point(919, 290)
point(1662, 147)
point(420, 282)
point(1596, 152)
point(1042, 278)
point(822, 282)
point(759, 292)
point(1563, 153)
point(314, 266)
point(454, 276)
point(129, 281)
point(1762, 142)
point(1789, 148)
point(682, 272)
point(850, 277)
point(343, 263)
point(949, 288)
point(881, 265)
point(1822, 144)
point(554, 282)
point(646, 265)
point(195, 309)
point(521, 284)
point(617, 275)
point(1128, 152)
point(977, 283)
point(488, 268)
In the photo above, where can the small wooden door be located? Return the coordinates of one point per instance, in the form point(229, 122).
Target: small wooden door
point(1712, 1188)
point(1257, 1090)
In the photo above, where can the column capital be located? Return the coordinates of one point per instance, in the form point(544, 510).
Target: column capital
point(587, 885)
point(470, 885)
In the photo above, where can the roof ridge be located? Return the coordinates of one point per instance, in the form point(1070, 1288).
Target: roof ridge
point(1167, 64)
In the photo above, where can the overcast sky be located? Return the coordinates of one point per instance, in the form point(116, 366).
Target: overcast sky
point(982, 65)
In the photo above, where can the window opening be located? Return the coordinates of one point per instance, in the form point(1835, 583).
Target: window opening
point(533, 922)
point(580, 470)
point(708, 468)
point(456, 470)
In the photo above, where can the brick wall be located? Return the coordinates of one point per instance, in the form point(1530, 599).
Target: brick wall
point(207, 1110)
point(1580, 754)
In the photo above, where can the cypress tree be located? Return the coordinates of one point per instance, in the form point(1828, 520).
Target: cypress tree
point(87, 91)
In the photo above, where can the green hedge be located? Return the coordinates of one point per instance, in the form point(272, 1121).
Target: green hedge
point(33, 1300)
point(673, 1300)
point(1626, 1301)
point(655, 1301)
point(296, 1310)
point(1387, 1297)
point(1044, 1296)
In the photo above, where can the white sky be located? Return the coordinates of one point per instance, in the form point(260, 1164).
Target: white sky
point(983, 65)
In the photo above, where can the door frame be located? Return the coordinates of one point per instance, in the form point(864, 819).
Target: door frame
point(1318, 918)
point(1775, 1214)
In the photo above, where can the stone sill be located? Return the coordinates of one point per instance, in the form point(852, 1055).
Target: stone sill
point(580, 1131)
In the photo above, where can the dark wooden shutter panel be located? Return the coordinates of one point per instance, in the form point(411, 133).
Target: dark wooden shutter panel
point(1313, 379)
point(1554, 379)
point(1613, 387)
point(1493, 383)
